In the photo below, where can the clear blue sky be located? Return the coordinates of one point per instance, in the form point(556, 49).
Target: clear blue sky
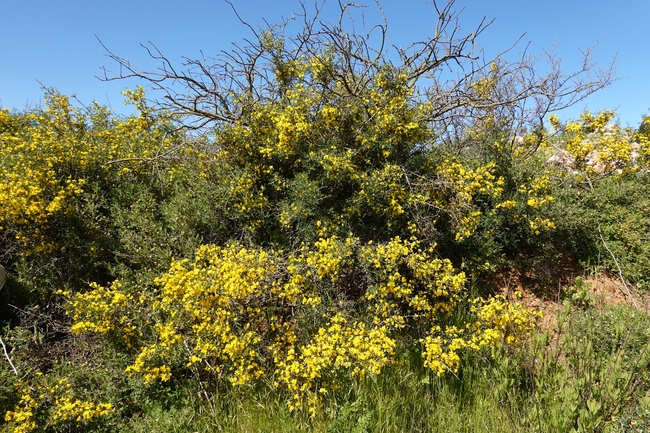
point(54, 41)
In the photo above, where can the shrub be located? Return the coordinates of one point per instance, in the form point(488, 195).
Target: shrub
point(304, 207)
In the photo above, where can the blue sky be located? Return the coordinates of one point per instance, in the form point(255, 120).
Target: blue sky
point(53, 42)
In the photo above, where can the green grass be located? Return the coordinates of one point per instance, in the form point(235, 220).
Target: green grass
point(590, 374)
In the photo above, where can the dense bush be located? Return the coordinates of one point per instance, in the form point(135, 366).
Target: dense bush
point(295, 225)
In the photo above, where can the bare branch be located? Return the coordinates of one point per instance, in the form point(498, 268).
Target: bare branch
point(4, 349)
point(442, 70)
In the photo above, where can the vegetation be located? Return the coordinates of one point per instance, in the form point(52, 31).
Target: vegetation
point(306, 236)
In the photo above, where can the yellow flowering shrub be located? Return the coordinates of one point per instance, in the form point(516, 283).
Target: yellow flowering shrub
point(48, 155)
point(108, 311)
point(336, 200)
point(306, 212)
point(465, 184)
point(52, 403)
point(308, 318)
point(497, 321)
point(310, 371)
point(597, 146)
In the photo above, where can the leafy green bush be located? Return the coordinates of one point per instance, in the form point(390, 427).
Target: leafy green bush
point(608, 226)
point(331, 215)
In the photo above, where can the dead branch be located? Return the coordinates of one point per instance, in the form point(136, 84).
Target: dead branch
point(221, 89)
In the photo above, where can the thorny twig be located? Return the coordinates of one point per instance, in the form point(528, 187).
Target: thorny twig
point(4, 349)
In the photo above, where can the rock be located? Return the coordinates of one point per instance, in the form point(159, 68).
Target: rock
point(562, 158)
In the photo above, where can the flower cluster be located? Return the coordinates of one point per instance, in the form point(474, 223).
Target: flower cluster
point(596, 146)
point(465, 184)
point(311, 317)
point(311, 370)
point(497, 321)
point(53, 403)
point(47, 156)
point(103, 310)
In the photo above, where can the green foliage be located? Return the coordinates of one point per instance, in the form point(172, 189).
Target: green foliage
point(305, 261)
point(624, 211)
point(578, 294)
point(598, 370)
point(618, 207)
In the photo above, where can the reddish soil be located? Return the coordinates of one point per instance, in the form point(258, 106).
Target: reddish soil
point(605, 288)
